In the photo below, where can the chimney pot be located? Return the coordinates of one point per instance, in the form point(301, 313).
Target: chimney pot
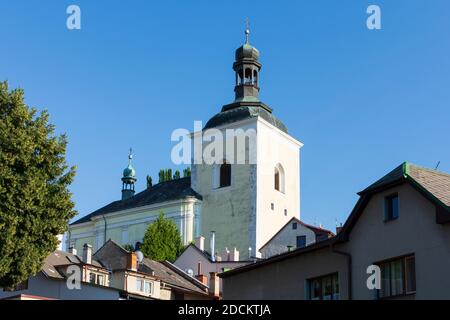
point(200, 243)
point(87, 253)
point(235, 255)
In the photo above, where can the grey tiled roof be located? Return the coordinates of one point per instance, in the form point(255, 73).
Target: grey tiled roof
point(61, 258)
point(161, 192)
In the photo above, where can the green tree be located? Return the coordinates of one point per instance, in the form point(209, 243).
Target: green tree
point(35, 203)
point(187, 172)
point(162, 240)
point(129, 247)
point(168, 174)
point(149, 181)
point(177, 175)
point(162, 176)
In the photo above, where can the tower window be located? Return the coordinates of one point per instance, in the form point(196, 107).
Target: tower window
point(279, 178)
point(248, 76)
point(255, 77)
point(225, 175)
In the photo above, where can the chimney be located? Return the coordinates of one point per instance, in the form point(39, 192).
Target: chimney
point(200, 243)
point(338, 229)
point(213, 245)
point(226, 255)
point(235, 255)
point(72, 250)
point(214, 285)
point(87, 253)
point(201, 277)
point(132, 261)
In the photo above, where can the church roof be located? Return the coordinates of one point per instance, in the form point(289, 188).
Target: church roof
point(161, 192)
point(244, 110)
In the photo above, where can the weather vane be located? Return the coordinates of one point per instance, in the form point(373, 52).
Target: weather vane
point(247, 31)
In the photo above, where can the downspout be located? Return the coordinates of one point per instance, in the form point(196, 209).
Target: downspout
point(349, 269)
point(106, 224)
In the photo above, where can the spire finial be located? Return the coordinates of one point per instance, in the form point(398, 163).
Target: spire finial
point(130, 156)
point(247, 31)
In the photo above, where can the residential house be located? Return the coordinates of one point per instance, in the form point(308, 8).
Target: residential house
point(294, 234)
point(51, 282)
point(198, 262)
point(400, 224)
point(148, 279)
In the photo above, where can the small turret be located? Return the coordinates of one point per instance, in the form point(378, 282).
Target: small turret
point(128, 179)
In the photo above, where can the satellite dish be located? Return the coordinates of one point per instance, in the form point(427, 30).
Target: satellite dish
point(139, 256)
point(190, 272)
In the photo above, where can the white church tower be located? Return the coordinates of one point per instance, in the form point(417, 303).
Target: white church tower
point(246, 202)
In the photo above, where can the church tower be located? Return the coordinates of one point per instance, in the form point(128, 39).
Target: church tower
point(246, 203)
point(128, 179)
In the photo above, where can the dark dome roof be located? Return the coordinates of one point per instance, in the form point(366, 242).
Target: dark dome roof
point(247, 51)
point(242, 113)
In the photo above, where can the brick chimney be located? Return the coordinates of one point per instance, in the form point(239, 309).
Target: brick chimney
point(214, 285)
point(201, 277)
point(87, 253)
point(200, 243)
point(132, 261)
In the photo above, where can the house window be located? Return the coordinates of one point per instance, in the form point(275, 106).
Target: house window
point(139, 284)
point(324, 288)
point(391, 207)
point(96, 278)
point(148, 287)
point(144, 286)
point(225, 175)
point(398, 277)
point(294, 225)
point(279, 178)
point(301, 241)
point(92, 277)
point(100, 280)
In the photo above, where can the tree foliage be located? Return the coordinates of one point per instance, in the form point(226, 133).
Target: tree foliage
point(187, 172)
point(162, 240)
point(149, 182)
point(35, 203)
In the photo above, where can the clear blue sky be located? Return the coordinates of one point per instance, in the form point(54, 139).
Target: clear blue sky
point(361, 101)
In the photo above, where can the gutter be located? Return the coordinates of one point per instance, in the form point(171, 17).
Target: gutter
point(349, 269)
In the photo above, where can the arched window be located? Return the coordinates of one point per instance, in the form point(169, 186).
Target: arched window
point(279, 178)
point(248, 76)
point(255, 77)
point(225, 175)
point(240, 77)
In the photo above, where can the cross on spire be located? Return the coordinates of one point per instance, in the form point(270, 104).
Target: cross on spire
point(247, 31)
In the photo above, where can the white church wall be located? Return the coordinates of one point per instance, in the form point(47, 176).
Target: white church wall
point(276, 208)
